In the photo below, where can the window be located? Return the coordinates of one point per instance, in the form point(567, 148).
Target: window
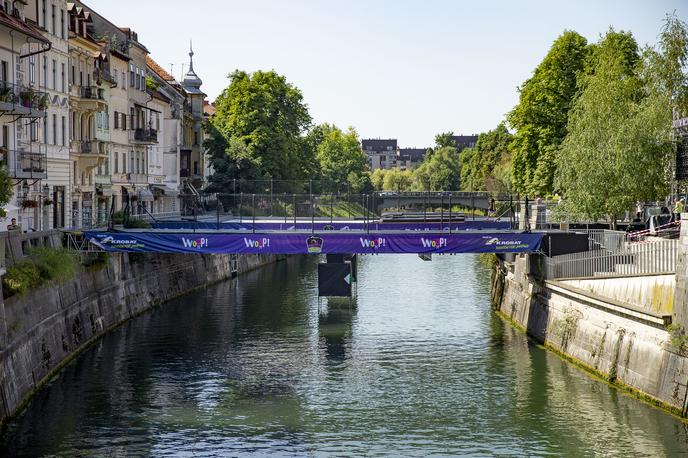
point(45, 130)
point(62, 24)
point(54, 30)
point(116, 162)
point(34, 131)
point(131, 162)
point(45, 12)
point(4, 65)
point(32, 69)
point(54, 74)
point(64, 131)
point(124, 121)
point(106, 119)
point(116, 118)
point(5, 136)
point(137, 164)
point(132, 124)
point(124, 80)
point(124, 162)
point(64, 88)
point(131, 75)
point(54, 129)
point(72, 77)
point(143, 80)
point(116, 75)
point(157, 121)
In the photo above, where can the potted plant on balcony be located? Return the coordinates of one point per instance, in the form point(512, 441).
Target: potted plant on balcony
point(7, 94)
point(47, 201)
point(26, 97)
point(40, 101)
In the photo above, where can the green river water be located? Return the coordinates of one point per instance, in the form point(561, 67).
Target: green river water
point(419, 365)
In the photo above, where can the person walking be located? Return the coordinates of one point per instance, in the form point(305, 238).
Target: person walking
point(679, 207)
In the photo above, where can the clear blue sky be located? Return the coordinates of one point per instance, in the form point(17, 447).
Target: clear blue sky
point(390, 68)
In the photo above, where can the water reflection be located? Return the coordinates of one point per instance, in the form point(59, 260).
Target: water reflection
point(418, 365)
point(334, 328)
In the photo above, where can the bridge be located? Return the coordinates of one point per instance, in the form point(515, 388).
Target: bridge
point(475, 200)
point(328, 238)
point(443, 232)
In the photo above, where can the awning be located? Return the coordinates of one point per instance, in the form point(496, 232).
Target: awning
point(145, 195)
point(168, 191)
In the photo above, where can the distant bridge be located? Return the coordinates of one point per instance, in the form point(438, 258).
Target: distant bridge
point(476, 200)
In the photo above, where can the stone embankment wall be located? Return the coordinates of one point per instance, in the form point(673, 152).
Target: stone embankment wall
point(591, 323)
point(43, 330)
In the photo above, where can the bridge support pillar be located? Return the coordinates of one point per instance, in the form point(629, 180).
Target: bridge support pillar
point(680, 312)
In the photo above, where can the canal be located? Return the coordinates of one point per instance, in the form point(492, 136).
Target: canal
point(421, 365)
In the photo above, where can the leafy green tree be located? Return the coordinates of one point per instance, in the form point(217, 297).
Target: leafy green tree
point(341, 161)
point(269, 116)
point(231, 159)
point(6, 191)
point(397, 180)
point(619, 144)
point(541, 116)
point(441, 171)
point(444, 140)
point(479, 165)
point(377, 179)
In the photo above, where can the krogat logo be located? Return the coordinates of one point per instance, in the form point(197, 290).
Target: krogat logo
point(492, 241)
point(257, 244)
point(195, 243)
point(373, 243)
point(440, 242)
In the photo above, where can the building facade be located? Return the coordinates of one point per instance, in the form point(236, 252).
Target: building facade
point(89, 123)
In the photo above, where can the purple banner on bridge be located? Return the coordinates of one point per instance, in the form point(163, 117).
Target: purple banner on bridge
point(327, 242)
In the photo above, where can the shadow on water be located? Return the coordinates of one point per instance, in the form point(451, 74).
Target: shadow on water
point(335, 327)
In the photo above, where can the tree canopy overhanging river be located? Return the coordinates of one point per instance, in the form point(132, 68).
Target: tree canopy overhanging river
point(421, 365)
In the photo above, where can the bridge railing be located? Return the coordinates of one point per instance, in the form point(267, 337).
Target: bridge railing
point(608, 260)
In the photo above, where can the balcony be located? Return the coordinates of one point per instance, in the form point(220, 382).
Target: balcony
point(148, 136)
point(24, 164)
point(87, 98)
point(92, 93)
point(101, 75)
point(22, 101)
point(137, 178)
point(87, 154)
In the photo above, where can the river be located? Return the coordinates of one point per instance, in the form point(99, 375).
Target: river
point(418, 365)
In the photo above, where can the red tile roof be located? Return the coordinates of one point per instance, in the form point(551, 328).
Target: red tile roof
point(153, 65)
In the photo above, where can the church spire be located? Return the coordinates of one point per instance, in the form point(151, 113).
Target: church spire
point(192, 83)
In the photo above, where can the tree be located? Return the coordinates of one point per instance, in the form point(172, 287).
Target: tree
point(480, 163)
point(268, 115)
point(341, 161)
point(444, 140)
point(6, 191)
point(377, 179)
point(541, 116)
point(441, 171)
point(397, 180)
point(618, 147)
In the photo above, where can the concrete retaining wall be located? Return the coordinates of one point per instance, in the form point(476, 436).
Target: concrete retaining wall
point(652, 292)
point(42, 330)
point(626, 345)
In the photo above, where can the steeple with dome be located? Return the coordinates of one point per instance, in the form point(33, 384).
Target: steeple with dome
point(192, 83)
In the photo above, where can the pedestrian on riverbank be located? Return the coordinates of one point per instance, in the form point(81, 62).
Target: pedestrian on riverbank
point(679, 207)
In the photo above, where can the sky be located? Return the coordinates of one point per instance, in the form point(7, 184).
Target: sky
point(390, 68)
